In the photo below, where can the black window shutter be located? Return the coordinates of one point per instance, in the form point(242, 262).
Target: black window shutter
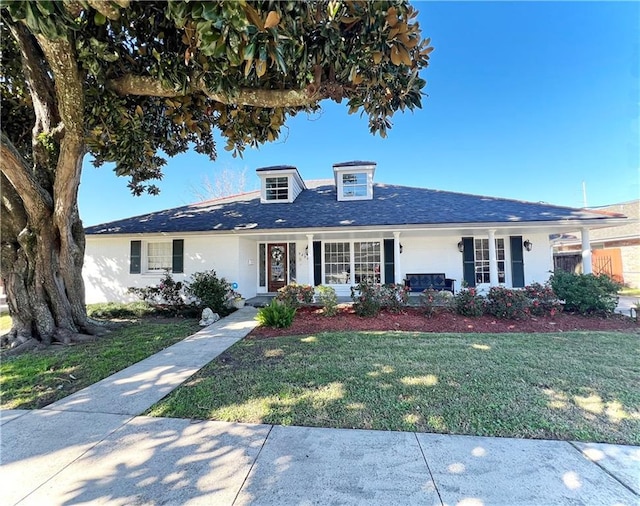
point(517, 261)
point(134, 257)
point(317, 263)
point(389, 261)
point(177, 264)
point(468, 261)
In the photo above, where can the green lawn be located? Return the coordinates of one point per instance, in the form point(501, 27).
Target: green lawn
point(40, 377)
point(578, 386)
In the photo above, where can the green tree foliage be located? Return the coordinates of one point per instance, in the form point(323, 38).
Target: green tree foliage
point(128, 81)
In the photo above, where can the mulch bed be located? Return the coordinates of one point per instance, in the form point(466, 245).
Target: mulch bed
point(310, 320)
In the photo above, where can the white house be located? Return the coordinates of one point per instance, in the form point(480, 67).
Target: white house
point(337, 232)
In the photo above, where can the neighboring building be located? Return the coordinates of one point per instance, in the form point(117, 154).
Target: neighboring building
point(336, 233)
point(615, 250)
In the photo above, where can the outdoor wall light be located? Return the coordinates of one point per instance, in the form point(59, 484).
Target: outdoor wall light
point(527, 245)
point(460, 246)
point(401, 248)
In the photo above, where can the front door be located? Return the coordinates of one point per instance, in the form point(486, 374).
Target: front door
point(277, 266)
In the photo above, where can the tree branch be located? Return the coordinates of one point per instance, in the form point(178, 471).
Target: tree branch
point(60, 55)
point(254, 97)
point(105, 8)
point(41, 89)
point(16, 170)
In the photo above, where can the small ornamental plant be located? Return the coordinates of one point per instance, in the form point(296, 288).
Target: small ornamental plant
point(428, 302)
point(295, 295)
point(277, 314)
point(507, 303)
point(326, 296)
point(467, 302)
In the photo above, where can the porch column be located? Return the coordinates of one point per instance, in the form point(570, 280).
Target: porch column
point(586, 252)
point(397, 267)
point(493, 259)
point(310, 262)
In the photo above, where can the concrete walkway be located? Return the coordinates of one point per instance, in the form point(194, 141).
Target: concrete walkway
point(93, 448)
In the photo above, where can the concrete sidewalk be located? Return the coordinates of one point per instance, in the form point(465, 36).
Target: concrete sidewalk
point(92, 448)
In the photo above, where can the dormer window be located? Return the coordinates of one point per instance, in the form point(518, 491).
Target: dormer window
point(279, 184)
point(354, 180)
point(276, 188)
point(354, 185)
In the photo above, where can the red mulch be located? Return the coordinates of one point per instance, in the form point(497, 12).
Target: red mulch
point(310, 320)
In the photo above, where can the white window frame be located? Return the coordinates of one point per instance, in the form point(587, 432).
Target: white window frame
point(342, 189)
point(356, 189)
point(482, 265)
point(352, 272)
point(277, 189)
point(168, 257)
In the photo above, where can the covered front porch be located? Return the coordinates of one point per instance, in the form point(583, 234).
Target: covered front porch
point(473, 256)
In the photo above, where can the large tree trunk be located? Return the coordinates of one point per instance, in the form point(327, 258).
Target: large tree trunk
point(42, 235)
point(41, 262)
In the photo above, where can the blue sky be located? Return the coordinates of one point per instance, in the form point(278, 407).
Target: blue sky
point(525, 100)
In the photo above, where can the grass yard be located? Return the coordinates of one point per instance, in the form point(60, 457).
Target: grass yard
point(578, 386)
point(40, 377)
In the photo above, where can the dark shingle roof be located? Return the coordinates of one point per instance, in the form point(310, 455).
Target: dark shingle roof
point(319, 208)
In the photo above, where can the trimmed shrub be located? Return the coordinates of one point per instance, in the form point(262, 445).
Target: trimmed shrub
point(294, 295)
point(586, 293)
point(542, 300)
point(506, 303)
point(277, 314)
point(467, 302)
point(210, 291)
point(328, 299)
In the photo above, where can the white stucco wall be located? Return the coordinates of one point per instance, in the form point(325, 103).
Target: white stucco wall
point(107, 278)
point(440, 254)
point(106, 266)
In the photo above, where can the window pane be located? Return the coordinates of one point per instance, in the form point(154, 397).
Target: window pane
point(159, 256)
point(354, 185)
point(366, 257)
point(337, 263)
point(263, 264)
point(292, 262)
point(482, 260)
point(277, 188)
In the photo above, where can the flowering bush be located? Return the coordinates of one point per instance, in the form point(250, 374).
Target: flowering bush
point(507, 303)
point(328, 298)
point(431, 299)
point(294, 295)
point(369, 298)
point(542, 300)
point(467, 302)
point(168, 292)
point(394, 297)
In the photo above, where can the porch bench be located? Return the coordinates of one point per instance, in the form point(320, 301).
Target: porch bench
point(434, 281)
